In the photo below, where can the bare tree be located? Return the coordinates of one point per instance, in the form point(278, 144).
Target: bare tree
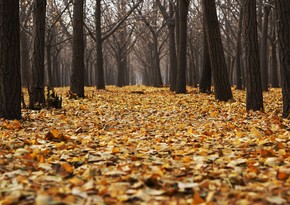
point(77, 78)
point(253, 73)
point(182, 41)
point(217, 58)
point(283, 16)
point(37, 98)
point(264, 47)
point(10, 78)
point(169, 17)
point(205, 81)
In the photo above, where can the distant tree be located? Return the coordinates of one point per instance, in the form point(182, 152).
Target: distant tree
point(156, 30)
point(102, 36)
point(119, 46)
point(253, 74)
point(10, 78)
point(274, 68)
point(58, 38)
point(169, 17)
point(25, 16)
point(37, 98)
point(182, 42)
point(238, 65)
point(222, 87)
point(283, 16)
point(77, 77)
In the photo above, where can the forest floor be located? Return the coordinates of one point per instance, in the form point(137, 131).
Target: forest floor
point(140, 145)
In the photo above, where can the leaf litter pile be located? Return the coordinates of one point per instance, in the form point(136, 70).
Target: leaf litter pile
point(140, 145)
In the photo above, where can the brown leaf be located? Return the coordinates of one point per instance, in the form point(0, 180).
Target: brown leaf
point(197, 199)
point(55, 135)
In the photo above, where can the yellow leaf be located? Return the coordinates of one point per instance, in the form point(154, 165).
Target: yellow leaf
point(40, 158)
point(239, 134)
point(115, 150)
point(187, 159)
point(190, 130)
point(82, 107)
point(66, 167)
point(256, 133)
point(16, 124)
point(214, 114)
point(60, 145)
point(76, 181)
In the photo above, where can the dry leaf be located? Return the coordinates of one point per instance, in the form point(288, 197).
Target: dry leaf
point(115, 147)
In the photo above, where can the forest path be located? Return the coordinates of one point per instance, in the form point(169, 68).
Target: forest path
point(140, 145)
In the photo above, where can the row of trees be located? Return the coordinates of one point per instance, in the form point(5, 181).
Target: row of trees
point(151, 42)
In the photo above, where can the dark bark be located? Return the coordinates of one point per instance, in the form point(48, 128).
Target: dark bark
point(37, 98)
point(122, 70)
point(253, 74)
point(172, 49)
point(100, 78)
point(177, 30)
point(157, 79)
point(283, 16)
point(182, 61)
point(264, 48)
point(10, 77)
point(239, 76)
point(222, 85)
point(228, 44)
point(205, 81)
point(78, 67)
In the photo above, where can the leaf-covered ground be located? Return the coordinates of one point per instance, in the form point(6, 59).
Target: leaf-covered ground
point(138, 145)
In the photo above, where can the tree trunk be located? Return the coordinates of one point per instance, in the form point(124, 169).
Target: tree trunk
point(122, 58)
point(78, 67)
point(205, 81)
point(122, 70)
point(177, 30)
point(37, 98)
point(228, 44)
point(274, 61)
point(24, 62)
point(264, 48)
point(56, 67)
point(10, 77)
point(222, 85)
point(172, 49)
point(283, 16)
point(100, 78)
point(253, 74)
point(181, 69)
point(156, 60)
point(239, 79)
point(49, 64)
point(192, 71)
